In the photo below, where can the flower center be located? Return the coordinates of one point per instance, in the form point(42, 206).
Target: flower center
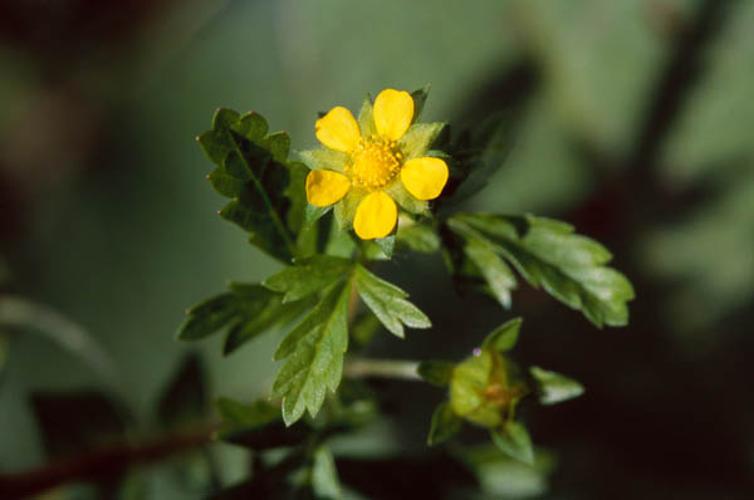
point(374, 163)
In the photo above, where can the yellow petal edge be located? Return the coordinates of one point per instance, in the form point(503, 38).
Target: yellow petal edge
point(424, 177)
point(338, 130)
point(325, 187)
point(376, 216)
point(393, 112)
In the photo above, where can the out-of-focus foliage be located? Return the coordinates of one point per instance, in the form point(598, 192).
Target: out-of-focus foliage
point(105, 214)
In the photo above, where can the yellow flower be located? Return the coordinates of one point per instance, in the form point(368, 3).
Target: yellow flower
point(369, 165)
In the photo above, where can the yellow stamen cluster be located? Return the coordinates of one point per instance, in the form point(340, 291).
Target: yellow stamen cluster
point(374, 163)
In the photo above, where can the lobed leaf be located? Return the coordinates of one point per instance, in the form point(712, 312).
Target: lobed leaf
point(252, 169)
point(246, 311)
point(314, 352)
point(547, 253)
point(388, 303)
point(308, 276)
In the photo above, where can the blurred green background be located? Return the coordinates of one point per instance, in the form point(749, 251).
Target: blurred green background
point(634, 120)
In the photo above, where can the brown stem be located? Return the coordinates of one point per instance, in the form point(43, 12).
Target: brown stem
point(106, 461)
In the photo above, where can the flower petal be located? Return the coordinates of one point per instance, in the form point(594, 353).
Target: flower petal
point(393, 112)
point(424, 177)
point(376, 216)
point(338, 130)
point(325, 187)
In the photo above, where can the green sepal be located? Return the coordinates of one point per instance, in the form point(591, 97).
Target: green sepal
point(435, 372)
point(514, 440)
point(445, 424)
point(419, 138)
point(324, 159)
point(388, 303)
point(366, 118)
point(553, 388)
point(403, 198)
point(420, 99)
point(504, 337)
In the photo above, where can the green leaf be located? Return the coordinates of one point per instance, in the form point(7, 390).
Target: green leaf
point(184, 399)
point(314, 353)
point(388, 303)
point(418, 237)
point(513, 440)
point(445, 424)
point(325, 482)
point(308, 276)
point(436, 372)
point(476, 155)
point(252, 169)
point(496, 273)
point(547, 253)
point(72, 421)
point(553, 387)
point(246, 311)
point(504, 337)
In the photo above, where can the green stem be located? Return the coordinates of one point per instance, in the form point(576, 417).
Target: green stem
point(382, 368)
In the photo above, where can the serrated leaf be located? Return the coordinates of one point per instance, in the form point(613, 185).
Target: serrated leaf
point(477, 154)
point(553, 387)
point(547, 253)
point(325, 482)
point(496, 273)
point(308, 276)
point(246, 311)
point(504, 337)
point(388, 303)
point(436, 372)
point(445, 424)
point(418, 237)
point(253, 170)
point(184, 399)
point(513, 440)
point(72, 421)
point(314, 353)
